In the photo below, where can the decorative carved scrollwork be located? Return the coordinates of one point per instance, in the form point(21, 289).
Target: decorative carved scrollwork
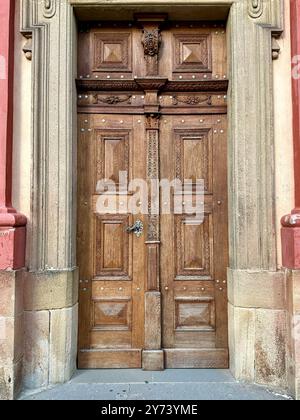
point(192, 100)
point(49, 8)
point(255, 8)
point(112, 100)
point(152, 127)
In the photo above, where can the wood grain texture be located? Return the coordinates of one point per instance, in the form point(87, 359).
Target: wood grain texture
point(196, 359)
point(112, 274)
point(112, 359)
point(195, 254)
point(152, 320)
point(153, 360)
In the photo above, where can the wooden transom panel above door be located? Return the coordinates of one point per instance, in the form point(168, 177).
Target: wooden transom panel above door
point(152, 105)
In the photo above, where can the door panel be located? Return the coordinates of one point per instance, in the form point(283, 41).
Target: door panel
point(112, 262)
point(193, 252)
point(152, 105)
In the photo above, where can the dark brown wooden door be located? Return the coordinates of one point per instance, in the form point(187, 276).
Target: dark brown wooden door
point(152, 105)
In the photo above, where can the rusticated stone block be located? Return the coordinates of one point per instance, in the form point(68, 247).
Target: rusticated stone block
point(63, 344)
point(270, 348)
point(11, 293)
point(36, 355)
point(50, 290)
point(257, 289)
point(10, 380)
point(12, 248)
point(11, 333)
point(11, 339)
point(242, 342)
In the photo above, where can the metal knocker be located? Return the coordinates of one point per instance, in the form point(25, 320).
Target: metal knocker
point(137, 228)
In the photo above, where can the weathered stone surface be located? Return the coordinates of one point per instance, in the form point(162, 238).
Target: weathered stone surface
point(63, 344)
point(11, 293)
point(257, 289)
point(12, 248)
point(11, 333)
point(242, 342)
point(270, 347)
point(293, 332)
point(293, 291)
point(11, 339)
point(10, 380)
point(50, 290)
point(297, 389)
point(36, 355)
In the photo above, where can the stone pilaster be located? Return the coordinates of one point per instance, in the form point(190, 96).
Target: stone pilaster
point(51, 286)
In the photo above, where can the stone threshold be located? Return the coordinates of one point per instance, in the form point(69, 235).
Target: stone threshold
point(173, 384)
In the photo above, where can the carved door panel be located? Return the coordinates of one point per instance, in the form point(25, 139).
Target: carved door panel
point(152, 104)
point(111, 260)
point(194, 250)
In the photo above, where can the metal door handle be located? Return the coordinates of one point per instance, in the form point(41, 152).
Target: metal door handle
point(137, 228)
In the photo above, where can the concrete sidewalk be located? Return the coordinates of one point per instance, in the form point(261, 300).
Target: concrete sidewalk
point(173, 384)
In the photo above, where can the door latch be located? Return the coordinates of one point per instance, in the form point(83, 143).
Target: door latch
point(137, 228)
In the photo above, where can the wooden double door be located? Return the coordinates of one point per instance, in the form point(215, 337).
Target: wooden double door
point(152, 108)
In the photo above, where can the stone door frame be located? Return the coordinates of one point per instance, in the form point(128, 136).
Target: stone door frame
point(52, 278)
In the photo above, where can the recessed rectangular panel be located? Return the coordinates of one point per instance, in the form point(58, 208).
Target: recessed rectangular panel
point(114, 314)
point(194, 314)
point(192, 53)
point(112, 156)
point(193, 246)
point(194, 157)
point(112, 246)
point(193, 238)
point(112, 51)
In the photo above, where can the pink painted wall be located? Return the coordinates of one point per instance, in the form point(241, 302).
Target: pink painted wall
point(12, 223)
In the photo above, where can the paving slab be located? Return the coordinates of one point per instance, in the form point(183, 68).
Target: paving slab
point(125, 376)
point(175, 384)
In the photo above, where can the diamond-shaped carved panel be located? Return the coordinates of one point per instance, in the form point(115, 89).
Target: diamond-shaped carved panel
point(112, 314)
point(194, 314)
point(192, 52)
point(112, 52)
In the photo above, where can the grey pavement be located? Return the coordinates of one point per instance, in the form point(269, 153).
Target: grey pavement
point(172, 384)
